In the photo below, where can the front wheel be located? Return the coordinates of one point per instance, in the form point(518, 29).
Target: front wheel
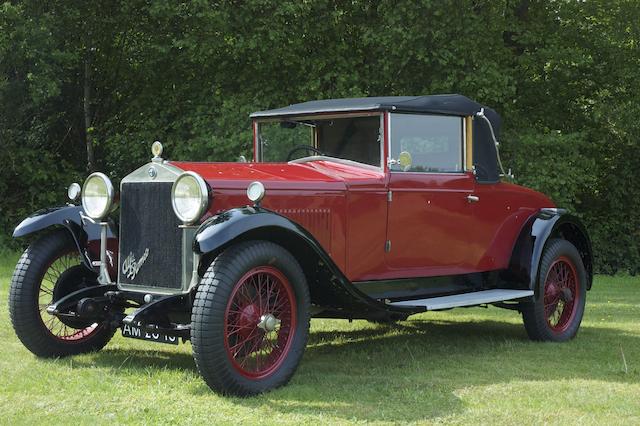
point(556, 311)
point(250, 319)
point(48, 270)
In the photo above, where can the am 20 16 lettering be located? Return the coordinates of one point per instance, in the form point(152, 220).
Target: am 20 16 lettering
point(137, 333)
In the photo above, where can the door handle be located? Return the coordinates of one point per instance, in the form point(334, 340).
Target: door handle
point(473, 198)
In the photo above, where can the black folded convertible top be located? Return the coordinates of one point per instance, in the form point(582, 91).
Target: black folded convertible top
point(435, 104)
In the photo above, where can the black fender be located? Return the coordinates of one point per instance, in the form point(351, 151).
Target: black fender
point(524, 266)
point(68, 217)
point(328, 285)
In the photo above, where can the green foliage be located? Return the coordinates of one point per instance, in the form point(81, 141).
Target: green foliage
point(563, 75)
point(560, 166)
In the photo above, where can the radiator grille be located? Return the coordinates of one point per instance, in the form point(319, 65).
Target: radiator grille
point(148, 225)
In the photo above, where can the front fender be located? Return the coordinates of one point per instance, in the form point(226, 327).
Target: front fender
point(68, 217)
point(328, 285)
point(229, 225)
point(46, 218)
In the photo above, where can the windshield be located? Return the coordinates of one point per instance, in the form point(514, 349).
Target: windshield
point(351, 138)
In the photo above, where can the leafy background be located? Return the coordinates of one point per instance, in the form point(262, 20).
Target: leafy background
point(117, 75)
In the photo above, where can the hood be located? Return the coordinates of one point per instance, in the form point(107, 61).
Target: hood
point(321, 174)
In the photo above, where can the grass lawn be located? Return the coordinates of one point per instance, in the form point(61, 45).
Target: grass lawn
point(465, 366)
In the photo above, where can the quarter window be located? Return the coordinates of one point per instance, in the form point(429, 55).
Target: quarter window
point(426, 143)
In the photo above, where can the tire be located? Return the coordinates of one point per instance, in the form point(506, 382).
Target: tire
point(562, 287)
point(49, 269)
point(233, 329)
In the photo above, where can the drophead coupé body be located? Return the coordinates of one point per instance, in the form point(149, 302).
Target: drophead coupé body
point(367, 208)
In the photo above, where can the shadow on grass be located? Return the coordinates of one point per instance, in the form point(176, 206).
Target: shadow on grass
point(133, 360)
point(405, 372)
point(411, 371)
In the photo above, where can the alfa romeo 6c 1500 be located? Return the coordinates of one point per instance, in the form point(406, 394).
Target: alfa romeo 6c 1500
point(367, 208)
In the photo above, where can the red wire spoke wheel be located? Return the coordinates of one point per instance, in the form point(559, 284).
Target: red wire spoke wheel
point(64, 275)
point(250, 319)
point(557, 309)
point(560, 294)
point(260, 322)
point(49, 269)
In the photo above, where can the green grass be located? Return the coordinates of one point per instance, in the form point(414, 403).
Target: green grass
point(466, 366)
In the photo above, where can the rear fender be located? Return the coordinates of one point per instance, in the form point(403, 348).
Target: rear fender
point(524, 267)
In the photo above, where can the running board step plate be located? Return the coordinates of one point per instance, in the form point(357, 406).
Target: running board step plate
point(466, 299)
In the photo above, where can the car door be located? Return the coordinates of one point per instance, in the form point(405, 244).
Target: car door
point(430, 209)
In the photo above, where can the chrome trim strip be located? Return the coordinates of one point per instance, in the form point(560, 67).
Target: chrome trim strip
point(189, 261)
point(165, 172)
point(334, 160)
point(104, 277)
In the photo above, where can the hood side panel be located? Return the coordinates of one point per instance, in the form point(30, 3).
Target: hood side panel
point(322, 213)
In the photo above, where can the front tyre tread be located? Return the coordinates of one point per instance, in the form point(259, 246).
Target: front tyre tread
point(208, 316)
point(23, 301)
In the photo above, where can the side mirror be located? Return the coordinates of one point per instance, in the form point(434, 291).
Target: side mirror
point(405, 160)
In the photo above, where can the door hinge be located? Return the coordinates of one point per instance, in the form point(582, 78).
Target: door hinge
point(387, 246)
point(389, 196)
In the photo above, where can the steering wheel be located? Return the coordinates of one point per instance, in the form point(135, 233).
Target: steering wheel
point(303, 147)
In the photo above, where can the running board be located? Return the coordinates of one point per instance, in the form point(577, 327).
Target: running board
point(466, 299)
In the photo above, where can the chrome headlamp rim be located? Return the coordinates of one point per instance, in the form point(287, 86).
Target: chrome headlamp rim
point(204, 197)
point(110, 193)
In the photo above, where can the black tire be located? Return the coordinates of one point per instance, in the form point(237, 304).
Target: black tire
point(212, 309)
point(568, 297)
point(24, 298)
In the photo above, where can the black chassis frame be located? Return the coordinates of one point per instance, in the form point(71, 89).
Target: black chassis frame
point(332, 294)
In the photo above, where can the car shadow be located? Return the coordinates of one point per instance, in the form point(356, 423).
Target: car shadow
point(413, 371)
point(409, 371)
point(132, 360)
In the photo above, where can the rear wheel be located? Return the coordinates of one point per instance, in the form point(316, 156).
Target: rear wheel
point(48, 270)
point(558, 307)
point(250, 319)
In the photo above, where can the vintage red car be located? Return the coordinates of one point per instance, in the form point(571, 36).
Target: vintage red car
point(367, 208)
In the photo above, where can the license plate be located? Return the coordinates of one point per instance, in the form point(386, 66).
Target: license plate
point(138, 333)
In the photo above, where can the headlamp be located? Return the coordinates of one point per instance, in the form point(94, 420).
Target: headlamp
point(97, 196)
point(189, 197)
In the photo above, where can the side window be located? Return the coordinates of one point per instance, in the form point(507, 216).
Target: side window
point(426, 143)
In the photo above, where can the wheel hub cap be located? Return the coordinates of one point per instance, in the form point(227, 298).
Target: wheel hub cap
point(268, 322)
